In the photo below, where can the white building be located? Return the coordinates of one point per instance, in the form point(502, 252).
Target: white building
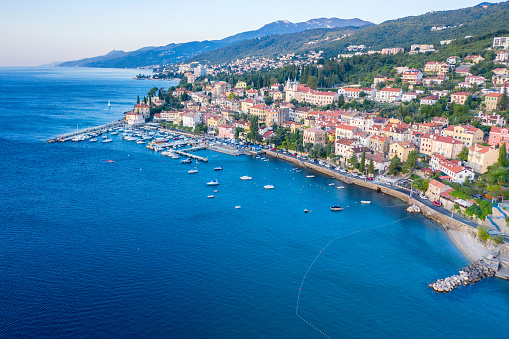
point(191, 119)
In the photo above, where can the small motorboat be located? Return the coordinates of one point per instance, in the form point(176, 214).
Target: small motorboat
point(140, 142)
point(218, 168)
point(210, 196)
point(107, 140)
point(310, 176)
point(331, 184)
point(336, 208)
point(110, 161)
point(93, 140)
point(295, 168)
point(268, 187)
point(192, 171)
point(175, 156)
point(114, 133)
point(237, 207)
point(266, 160)
point(340, 187)
point(365, 202)
point(245, 177)
point(257, 157)
point(213, 183)
point(215, 191)
point(186, 161)
point(305, 211)
point(298, 171)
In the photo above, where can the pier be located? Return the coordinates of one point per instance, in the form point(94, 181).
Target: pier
point(69, 136)
point(192, 156)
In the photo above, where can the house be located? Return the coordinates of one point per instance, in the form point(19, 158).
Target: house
point(378, 144)
point(481, 157)
point(343, 147)
point(266, 135)
point(314, 135)
point(436, 67)
point(435, 188)
point(394, 50)
point(412, 76)
point(214, 121)
point(467, 134)
point(501, 71)
point(431, 100)
point(389, 95)
point(499, 135)
point(169, 115)
point(475, 80)
point(349, 93)
point(345, 131)
point(492, 100)
point(277, 116)
point(459, 98)
point(240, 84)
point(142, 109)
point(191, 119)
point(401, 149)
point(436, 144)
point(409, 96)
point(452, 169)
point(436, 80)
point(226, 131)
point(492, 119)
point(134, 118)
point(501, 42)
point(474, 59)
point(378, 79)
point(380, 162)
point(251, 93)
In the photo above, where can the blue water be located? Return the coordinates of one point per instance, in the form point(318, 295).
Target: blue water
point(136, 249)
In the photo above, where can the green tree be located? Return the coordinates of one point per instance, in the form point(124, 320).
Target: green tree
point(312, 82)
point(362, 164)
point(503, 105)
point(371, 167)
point(502, 155)
point(411, 162)
point(394, 166)
point(353, 162)
point(138, 100)
point(463, 155)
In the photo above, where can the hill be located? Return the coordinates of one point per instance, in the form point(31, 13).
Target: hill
point(173, 53)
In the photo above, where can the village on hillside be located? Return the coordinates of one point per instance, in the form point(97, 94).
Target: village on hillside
point(451, 147)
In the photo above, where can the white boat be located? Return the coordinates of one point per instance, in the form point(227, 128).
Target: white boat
point(105, 137)
point(365, 202)
point(268, 187)
point(215, 191)
point(257, 157)
point(107, 140)
point(213, 183)
point(186, 161)
point(340, 187)
point(192, 171)
point(218, 168)
point(266, 160)
point(210, 196)
point(237, 207)
point(310, 176)
point(336, 208)
point(109, 105)
point(140, 142)
point(245, 177)
point(93, 140)
point(331, 184)
point(114, 133)
point(175, 156)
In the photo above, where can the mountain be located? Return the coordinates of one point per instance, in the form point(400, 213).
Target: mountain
point(172, 53)
point(482, 19)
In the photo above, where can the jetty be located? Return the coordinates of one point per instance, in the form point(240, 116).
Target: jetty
point(100, 129)
point(192, 156)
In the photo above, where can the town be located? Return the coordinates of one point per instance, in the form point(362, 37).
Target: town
point(440, 130)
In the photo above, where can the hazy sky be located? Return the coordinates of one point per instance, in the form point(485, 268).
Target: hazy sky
point(38, 32)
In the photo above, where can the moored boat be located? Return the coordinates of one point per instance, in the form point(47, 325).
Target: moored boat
point(245, 177)
point(218, 168)
point(268, 187)
point(365, 202)
point(336, 208)
point(213, 183)
point(310, 176)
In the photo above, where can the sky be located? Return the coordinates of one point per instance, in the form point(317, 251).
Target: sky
point(38, 32)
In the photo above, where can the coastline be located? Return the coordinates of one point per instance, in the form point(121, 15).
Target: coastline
point(462, 235)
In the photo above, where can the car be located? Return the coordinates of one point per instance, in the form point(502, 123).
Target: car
point(294, 155)
point(272, 149)
point(423, 197)
point(321, 163)
point(388, 184)
point(369, 178)
point(437, 203)
point(315, 161)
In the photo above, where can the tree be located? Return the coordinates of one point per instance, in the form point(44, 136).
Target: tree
point(312, 82)
point(394, 165)
point(502, 155)
point(411, 162)
point(463, 155)
point(352, 161)
point(503, 105)
point(308, 145)
point(371, 167)
point(138, 100)
point(362, 165)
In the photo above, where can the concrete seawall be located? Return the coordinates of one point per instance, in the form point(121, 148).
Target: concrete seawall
point(446, 222)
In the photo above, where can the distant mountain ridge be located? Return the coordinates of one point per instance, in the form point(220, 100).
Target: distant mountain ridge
point(172, 53)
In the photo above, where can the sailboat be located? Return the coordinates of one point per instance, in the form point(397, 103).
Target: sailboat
point(109, 105)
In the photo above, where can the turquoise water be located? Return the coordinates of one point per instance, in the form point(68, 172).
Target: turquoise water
point(136, 249)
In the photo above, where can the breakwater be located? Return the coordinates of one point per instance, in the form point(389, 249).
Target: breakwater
point(476, 271)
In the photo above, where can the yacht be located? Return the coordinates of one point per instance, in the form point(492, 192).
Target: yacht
point(107, 140)
point(310, 176)
point(105, 137)
point(218, 168)
point(336, 208)
point(114, 133)
point(186, 161)
point(175, 156)
point(365, 202)
point(237, 207)
point(210, 196)
point(245, 177)
point(213, 183)
point(140, 142)
point(331, 184)
point(268, 187)
point(339, 187)
point(93, 140)
point(192, 171)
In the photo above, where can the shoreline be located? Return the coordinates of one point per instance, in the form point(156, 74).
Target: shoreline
point(462, 235)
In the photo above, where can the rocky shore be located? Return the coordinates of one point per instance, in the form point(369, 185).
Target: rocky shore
point(476, 271)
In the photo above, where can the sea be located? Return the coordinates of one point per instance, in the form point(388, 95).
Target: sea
point(136, 249)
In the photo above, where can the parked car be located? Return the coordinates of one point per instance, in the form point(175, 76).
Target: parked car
point(294, 155)
point(315, 161)
point(437, 203)
point(423, 197)
point(272, 149)
point(369, 178)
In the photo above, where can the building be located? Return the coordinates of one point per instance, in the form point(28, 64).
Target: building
point(169, 115)
point(499, 135)
point(474, 58)
point(451, 168)
point(314, 135)
point(394, 50)
point(501, 42)
point(435, 144)
point(221, 87)
point(492, 100)
point(345, 131)
point(467, 134)
point(380, 162)
point(191, 119)
point(134, 118)
point(401, 149)
point(240, 84)
point(378, 144)
point(226, 131)
point(459, 98)
point(412, 76)
point(407, 97)
point(380, 79)
point(492, 119)
point(435, 188)
point(344, 147)
point(431, 100)
point(142, 109)
point(389, 94)
point(475, 80)
point(481, 157)
point(277, 116)
point(436, 67)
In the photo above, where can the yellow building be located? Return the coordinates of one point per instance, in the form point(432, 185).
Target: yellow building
point(260, 111)
point(492, 100)
point(467, 134)
point(314, 135)
point(214, 121)
point(480, 157)
point(401, 149)
point(240, 84)
point(435, 188)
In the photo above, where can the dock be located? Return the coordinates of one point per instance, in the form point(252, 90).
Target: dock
point(192, 156)
point(69, 136)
